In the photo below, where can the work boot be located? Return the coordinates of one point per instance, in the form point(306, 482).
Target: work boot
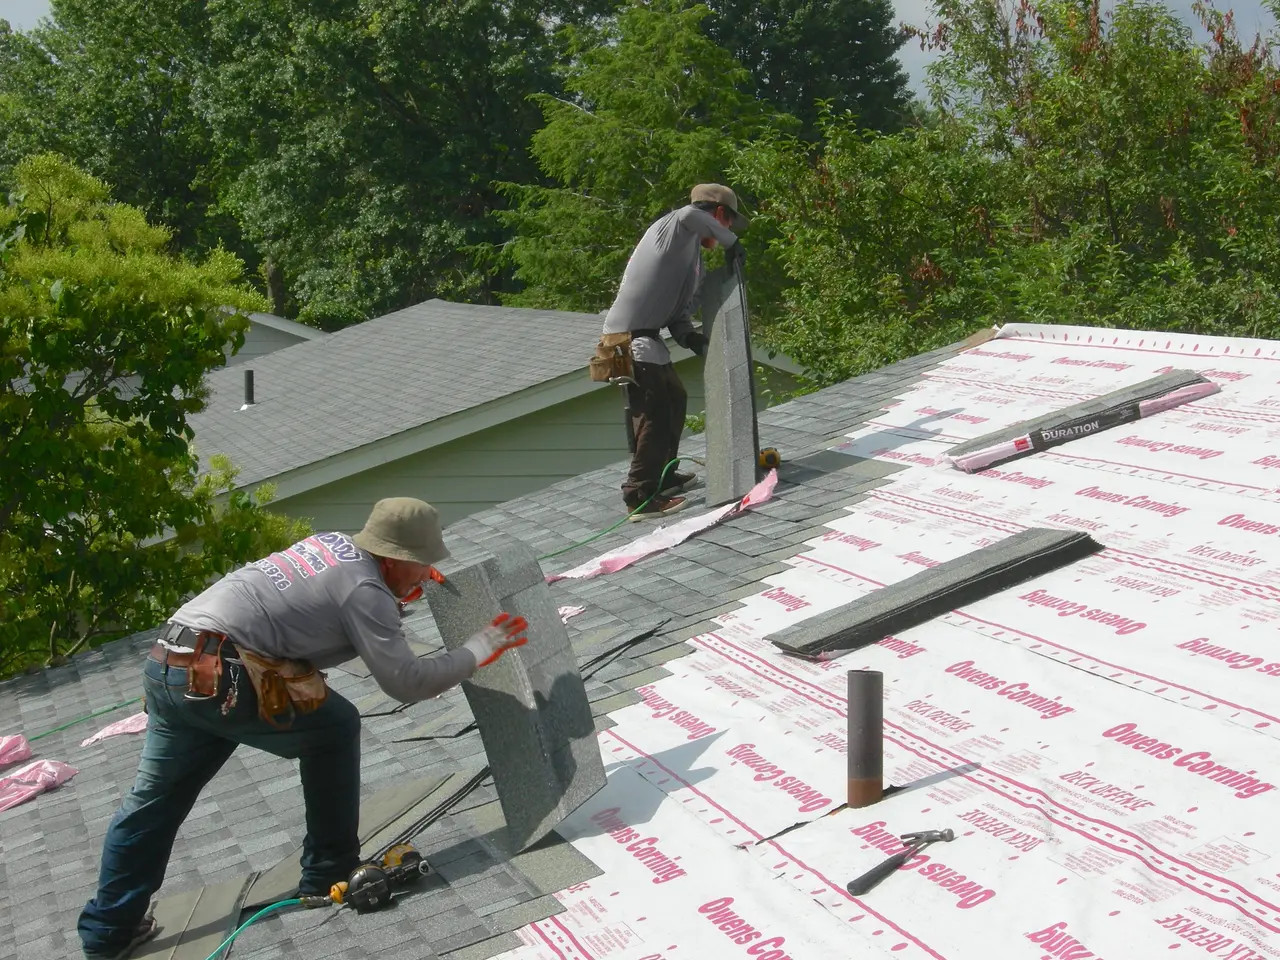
point(657, 507)
point(677, 482)
point(147, 929)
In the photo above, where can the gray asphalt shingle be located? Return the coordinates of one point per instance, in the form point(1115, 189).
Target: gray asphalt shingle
point(324, 397)
point(251, 814)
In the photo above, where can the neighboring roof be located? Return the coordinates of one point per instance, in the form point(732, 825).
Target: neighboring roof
point(383, 377)
point(1091, 736)
point(292, 327)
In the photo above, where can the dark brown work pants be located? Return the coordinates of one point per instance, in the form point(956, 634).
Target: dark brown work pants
point(657, 401)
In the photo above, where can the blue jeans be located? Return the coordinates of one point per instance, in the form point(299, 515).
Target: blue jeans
point(187, 742)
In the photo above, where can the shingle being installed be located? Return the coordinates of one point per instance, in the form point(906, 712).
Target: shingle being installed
point(733, 440)
point(530, 707)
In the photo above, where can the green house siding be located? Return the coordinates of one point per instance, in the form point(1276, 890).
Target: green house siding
point(491, 466)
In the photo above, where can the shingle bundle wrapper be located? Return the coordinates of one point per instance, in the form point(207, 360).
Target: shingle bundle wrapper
point(1143, 399)
point(938, 590)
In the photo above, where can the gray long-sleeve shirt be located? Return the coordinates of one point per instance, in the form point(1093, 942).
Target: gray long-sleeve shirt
point(324, 600)
point(661, 283)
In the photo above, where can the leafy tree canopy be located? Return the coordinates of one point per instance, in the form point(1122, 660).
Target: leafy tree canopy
point(110, 83)
point(1073, 170)
point(365, 137)
point(800, 52)
point(651, 107)
point(104, 342)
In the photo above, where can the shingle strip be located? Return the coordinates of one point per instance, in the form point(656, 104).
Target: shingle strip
point(938, 590)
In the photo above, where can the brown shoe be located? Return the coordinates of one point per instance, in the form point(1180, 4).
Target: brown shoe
point(677, 483)
point(657, 507)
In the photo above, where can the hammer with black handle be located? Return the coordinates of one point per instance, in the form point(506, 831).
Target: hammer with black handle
point(915, 843)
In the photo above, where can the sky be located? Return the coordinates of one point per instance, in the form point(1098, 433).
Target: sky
point(1250, 19)
point(1250, 16)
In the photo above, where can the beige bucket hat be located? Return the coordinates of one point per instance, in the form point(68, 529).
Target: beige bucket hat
point(722, 195)
point(402, 528)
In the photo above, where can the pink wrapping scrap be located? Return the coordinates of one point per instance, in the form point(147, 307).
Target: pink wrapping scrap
point(32, 780)
point(664, 538)
point(568, 613)
point(135, 724)
point(13, 749)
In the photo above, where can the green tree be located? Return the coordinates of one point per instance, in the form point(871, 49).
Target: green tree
point(800, 52)
point(651, 108)
point(104, 342)
point(111, 84)
point(365, 137)
point(1073, 171)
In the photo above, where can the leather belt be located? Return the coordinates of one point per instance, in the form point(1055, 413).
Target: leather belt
point(655, 334)
point(185, 636)
point(162, 654)
point(174, 658)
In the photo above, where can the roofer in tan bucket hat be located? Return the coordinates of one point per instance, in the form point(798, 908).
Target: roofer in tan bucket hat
point(659, 289)
point(239, 664)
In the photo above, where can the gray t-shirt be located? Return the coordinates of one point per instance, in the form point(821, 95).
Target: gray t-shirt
point(323, 600)
point(660, 285)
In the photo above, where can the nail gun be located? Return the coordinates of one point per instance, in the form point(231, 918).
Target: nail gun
point(371, 884)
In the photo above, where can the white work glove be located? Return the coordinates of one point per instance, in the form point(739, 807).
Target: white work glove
point(505, 633)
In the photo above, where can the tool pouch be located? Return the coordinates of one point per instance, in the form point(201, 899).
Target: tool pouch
point(612, 359)
point(204, 674)
point(283, 687)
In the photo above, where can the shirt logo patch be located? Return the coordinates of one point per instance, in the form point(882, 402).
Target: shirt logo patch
point(308, 558)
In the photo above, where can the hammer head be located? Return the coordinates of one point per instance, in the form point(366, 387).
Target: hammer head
point(930, 836)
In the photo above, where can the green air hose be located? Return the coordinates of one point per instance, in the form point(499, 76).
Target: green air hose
point(240, 929)
point(607, 530)
point(87, 716)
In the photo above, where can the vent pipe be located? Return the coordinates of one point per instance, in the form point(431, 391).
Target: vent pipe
point(248, 390)
point(865, 740)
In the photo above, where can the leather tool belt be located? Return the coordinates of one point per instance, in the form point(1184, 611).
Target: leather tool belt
point(613, 359)
point(284, 688)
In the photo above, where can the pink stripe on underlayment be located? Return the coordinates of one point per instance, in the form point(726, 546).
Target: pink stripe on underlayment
point(547, 940)
point(1115, 346)
point(961, 612)
point(1114, 827)
point(574, 940)
point(843, 891)
point(675, 776)
point(929, 950)
point(1117, 666)
point(1058, 455)
point(948, 512)
point(1142, 858)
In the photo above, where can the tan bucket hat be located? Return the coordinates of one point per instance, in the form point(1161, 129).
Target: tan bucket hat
point(402, 528)
point(722, 195)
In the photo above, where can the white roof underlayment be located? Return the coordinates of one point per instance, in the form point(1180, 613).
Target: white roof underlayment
point(1103, 740)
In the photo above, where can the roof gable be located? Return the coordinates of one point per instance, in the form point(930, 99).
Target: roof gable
point(377, 379)
point(299, 330)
